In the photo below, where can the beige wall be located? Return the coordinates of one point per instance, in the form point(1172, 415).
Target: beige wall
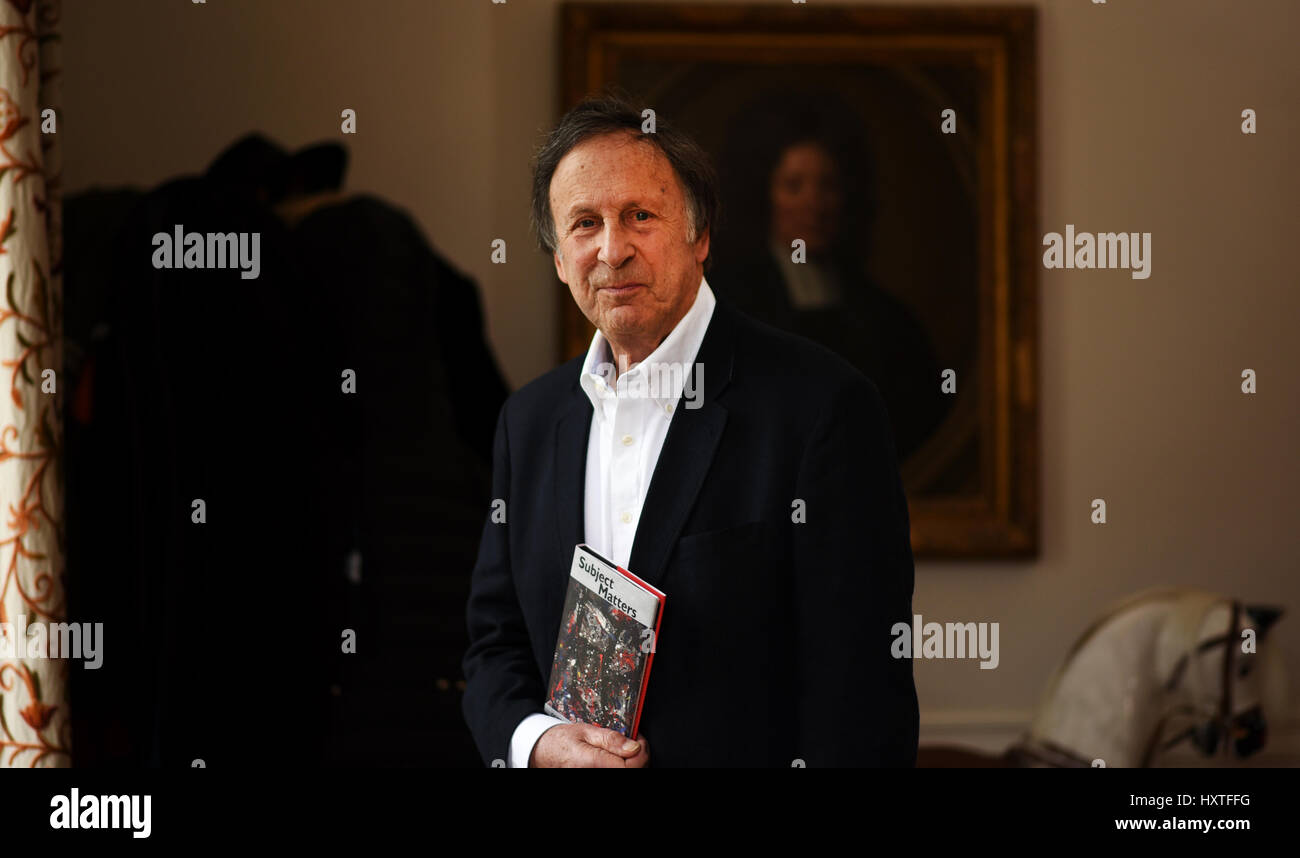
point(1139, 111)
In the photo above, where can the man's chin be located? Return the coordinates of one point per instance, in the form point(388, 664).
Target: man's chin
point(623, 319)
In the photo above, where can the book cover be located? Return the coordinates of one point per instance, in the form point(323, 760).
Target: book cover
point(606, 644)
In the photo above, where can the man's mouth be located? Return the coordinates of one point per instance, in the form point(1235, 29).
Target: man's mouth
point(622, 288)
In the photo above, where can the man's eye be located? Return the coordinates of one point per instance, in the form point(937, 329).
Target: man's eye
point(638, 215)
point(582, 224)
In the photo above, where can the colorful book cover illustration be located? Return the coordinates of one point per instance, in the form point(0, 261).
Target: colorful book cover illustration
point(607, 641)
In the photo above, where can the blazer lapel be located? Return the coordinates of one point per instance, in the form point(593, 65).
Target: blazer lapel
point(570, 475)
point(684, 461)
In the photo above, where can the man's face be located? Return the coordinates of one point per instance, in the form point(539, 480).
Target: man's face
point(623, 232)
point(806, 197)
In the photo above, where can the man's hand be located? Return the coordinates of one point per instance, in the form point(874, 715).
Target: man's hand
point(588, 746)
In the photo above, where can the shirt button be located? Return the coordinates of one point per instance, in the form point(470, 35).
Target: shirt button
point(627, 518)
point(627, 440)
point(669, 408)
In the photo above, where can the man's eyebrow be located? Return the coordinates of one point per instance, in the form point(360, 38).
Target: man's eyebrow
point(583, 207)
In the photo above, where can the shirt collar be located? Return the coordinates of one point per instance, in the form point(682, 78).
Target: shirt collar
point(670, 362)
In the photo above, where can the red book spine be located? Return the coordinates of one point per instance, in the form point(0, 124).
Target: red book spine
point(654, 644)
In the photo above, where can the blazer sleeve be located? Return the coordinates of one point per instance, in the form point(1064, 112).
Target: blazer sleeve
point(855, 703)
point(502, 685)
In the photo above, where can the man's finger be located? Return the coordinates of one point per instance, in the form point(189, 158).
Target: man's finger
point(611, 741)
point(642, 757)
point(586, 755)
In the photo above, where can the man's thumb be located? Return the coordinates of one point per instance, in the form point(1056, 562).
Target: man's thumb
point(613, 742)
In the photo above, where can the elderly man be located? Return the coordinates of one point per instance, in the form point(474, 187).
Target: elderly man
point(759, 491)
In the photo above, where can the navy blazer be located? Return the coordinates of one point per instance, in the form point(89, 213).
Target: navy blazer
point(775, 522)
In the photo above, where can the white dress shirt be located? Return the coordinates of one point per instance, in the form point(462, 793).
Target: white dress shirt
point(629, 422)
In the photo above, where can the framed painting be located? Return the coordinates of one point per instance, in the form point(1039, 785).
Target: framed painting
point(878, 169)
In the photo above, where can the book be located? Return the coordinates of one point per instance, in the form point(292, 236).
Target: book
point(607, 641)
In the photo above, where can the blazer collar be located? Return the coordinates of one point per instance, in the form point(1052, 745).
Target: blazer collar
point(689, 446)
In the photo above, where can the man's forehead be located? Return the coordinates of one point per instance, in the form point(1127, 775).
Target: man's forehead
point(612, 169)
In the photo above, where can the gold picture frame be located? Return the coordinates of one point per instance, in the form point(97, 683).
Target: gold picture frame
point(972, 477)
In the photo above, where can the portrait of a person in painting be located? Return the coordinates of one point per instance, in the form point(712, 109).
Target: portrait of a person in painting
point(806, 176)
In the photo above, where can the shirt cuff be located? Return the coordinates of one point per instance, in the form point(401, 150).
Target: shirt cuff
point(526, 735)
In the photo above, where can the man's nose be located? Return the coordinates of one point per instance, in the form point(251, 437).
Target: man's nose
point(615, 247)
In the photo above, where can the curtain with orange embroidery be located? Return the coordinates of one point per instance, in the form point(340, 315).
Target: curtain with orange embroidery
point(34, 726)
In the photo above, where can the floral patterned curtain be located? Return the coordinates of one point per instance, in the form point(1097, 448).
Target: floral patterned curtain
point(34, 726)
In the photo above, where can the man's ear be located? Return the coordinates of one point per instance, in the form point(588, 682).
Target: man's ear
point(702, 246)
point(559, 266)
